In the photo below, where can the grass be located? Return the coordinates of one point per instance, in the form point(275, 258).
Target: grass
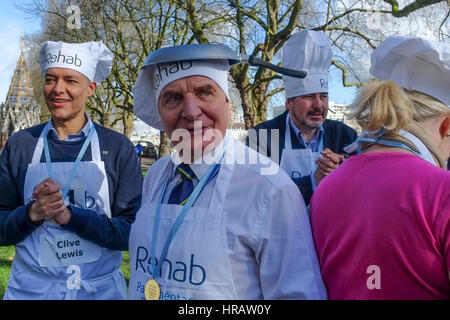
point(7, 254)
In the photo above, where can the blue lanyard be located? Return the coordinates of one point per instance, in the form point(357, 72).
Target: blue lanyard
point(48, 160)
point(386, 142)
point(391, 143)
point(206, 178)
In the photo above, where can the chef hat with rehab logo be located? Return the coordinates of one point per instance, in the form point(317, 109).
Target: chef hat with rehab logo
point(92, 59)
point(310, 51)
point(414, 64)
point(177, 62)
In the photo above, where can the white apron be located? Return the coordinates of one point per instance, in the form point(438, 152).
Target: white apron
point(298, 163)
point(54, 263)
point(197, 265)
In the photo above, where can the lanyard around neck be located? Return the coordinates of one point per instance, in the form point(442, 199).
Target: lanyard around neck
point(386, 142)
point(206, 178)
point(48, 160)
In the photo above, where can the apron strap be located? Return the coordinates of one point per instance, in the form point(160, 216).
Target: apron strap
point(95, 146)
point(288, 145)
point(91, 286)
point(37, 154)
point(288, 141)
point(39, 146)
point(71, 294)
point(287, 134)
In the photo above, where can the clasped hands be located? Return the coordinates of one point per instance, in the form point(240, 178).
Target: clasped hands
point(326, 164)
point(49, 203)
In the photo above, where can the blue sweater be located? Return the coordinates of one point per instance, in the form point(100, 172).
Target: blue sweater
point(336, 136)
point(124, 180)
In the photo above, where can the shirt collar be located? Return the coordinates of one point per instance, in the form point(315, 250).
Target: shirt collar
point(298, 133)
point(73, 137)
point(200, 168)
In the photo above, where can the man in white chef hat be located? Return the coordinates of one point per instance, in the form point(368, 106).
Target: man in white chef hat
point(212, 229)
point(304, 132)
point(69, 188)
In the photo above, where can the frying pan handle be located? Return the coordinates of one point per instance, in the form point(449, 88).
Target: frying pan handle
point(253, 61)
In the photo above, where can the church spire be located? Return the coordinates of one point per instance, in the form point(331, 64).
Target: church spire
point(21, 91)
point(22, 45)
point(20, 110)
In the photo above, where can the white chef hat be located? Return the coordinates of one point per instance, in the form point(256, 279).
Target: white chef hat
point(92, 59)
point(414, 64)
point(310, 51)
point(153, 78)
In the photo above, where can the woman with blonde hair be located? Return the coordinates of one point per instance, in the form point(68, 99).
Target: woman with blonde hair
point(381, 221)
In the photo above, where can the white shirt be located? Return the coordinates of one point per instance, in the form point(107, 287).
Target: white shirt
point(269, 241)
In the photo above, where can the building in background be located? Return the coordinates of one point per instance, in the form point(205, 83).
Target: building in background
point(277, 110)
point(144, 133)
point(335, 112)
point(20, 109)
point(338, 111)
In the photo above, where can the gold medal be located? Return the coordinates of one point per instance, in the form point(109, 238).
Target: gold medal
point(152, 290)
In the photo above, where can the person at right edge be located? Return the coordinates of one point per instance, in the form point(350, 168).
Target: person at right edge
point(381, 221)
point(309, 146)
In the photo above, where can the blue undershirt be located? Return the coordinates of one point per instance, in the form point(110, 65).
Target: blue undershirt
point(313, 144)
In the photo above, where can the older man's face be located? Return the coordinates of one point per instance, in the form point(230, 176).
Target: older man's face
point(197, 105)
point(308, 111)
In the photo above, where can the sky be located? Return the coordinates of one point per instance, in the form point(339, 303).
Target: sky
point(13, 23)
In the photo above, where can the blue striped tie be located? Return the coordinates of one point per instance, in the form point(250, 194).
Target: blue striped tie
point(184, 187)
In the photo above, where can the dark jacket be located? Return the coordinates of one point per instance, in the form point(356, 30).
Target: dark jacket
point(336, 136)
point(124, 181)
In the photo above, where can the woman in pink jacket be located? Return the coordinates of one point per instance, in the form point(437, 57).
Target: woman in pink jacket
point(381, 221)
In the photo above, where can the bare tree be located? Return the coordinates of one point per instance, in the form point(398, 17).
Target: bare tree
point(131, 29)
point(260, 28)
point(134, 28)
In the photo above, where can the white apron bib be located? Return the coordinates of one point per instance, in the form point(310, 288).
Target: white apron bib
point(197, 265)
point(298, 163)
point(48, 259)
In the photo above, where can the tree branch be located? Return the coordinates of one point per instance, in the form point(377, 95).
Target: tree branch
point(350, 30)
point(345, 75)
point(416, 5)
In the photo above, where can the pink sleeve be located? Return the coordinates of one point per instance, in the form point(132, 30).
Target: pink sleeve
point(443, 229)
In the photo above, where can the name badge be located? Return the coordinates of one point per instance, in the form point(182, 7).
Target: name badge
point(66, 249)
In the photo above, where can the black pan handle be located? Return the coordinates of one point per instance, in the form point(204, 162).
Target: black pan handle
point(253, 61)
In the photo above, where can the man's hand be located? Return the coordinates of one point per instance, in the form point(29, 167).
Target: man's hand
point(326, 164)
point(49, 203)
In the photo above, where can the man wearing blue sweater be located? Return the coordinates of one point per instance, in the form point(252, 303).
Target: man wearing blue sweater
point(69, 188)
point(301, 140)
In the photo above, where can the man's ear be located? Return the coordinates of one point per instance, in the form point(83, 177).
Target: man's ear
point(228, 104)
point(444, 127)
point(92, 87)
point(288, 104)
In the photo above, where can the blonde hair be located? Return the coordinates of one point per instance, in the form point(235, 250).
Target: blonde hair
point(384, 104)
